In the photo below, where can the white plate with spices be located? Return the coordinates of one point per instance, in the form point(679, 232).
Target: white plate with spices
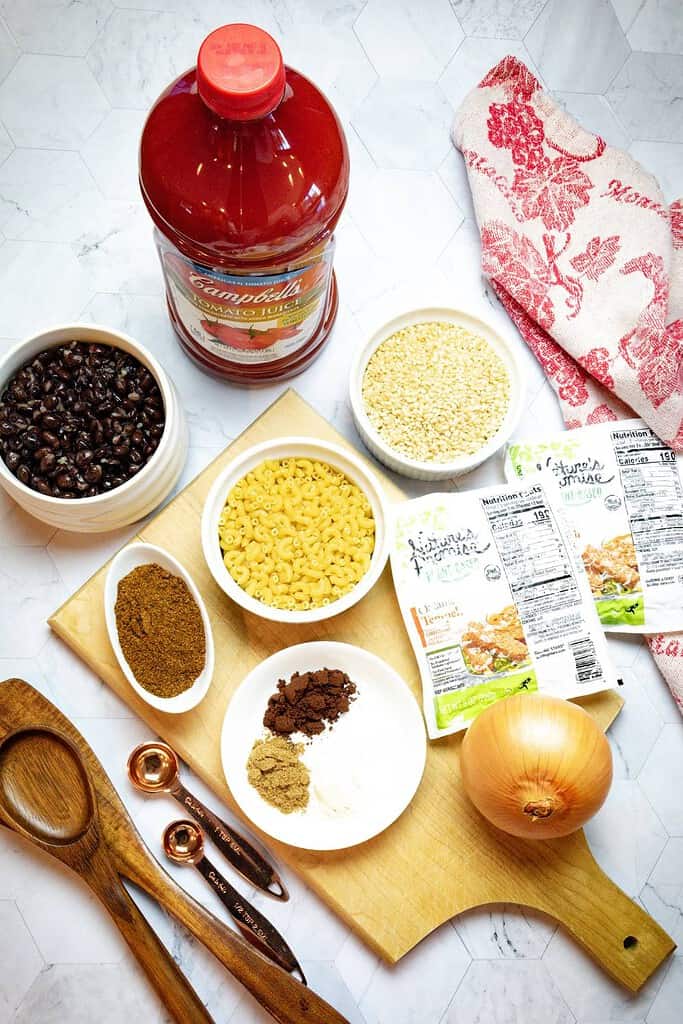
point(122, 564)
point(406, 405)
point(364, 769)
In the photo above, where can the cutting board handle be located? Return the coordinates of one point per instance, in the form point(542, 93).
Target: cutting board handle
point(614, 930)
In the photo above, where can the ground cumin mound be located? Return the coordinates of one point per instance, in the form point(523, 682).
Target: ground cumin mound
point(276, 771)
point(160, 630)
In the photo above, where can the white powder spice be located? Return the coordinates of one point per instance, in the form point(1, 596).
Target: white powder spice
point(435, 391)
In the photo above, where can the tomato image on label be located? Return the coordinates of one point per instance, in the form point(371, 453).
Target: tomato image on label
point(248, 338)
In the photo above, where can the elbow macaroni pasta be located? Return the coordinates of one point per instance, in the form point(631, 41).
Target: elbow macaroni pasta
point(296, 533)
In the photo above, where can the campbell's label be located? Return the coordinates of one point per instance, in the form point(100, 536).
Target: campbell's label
point(250, 318)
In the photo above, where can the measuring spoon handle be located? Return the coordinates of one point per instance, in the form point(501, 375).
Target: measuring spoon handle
point(244, 857)
point(252, 923)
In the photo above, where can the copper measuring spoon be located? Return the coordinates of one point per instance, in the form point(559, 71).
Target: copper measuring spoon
point(183, 843)
point(153, 769)
point(54, 793)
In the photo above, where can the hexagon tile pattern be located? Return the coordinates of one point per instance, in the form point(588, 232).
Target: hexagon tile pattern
point(56, 27)
point(65, 102)
point(76, 79)
point(429, 31)
point(598, 49)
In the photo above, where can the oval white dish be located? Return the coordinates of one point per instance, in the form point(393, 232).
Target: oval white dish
point(124, 562)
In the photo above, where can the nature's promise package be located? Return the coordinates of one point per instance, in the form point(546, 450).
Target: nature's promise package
point(622, 490)
point(495, 600)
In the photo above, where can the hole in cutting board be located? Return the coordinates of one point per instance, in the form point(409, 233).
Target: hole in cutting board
point(43, 786)
point(630, 941)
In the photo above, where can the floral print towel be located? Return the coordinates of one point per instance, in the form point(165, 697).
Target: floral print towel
point(580, 247)
point(587, 259)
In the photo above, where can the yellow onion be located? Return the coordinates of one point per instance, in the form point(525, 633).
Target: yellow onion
point(537, 767)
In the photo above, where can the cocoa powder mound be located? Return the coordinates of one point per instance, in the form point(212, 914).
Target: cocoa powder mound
point(309, 702)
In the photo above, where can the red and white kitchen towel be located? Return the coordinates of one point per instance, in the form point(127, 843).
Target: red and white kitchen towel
point(587, 259)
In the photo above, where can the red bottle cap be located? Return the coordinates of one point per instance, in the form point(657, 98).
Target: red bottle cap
point(240, 72)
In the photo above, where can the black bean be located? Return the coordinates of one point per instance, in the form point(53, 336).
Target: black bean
point(13, 460)
point(31, 439)
point(72, 359)
point(50, 422)
point(48, 462)
point(93, 474)
point(23, 473)
point(65, 480)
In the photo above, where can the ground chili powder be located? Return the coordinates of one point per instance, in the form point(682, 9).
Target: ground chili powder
point(309, 702)
point(160, 630)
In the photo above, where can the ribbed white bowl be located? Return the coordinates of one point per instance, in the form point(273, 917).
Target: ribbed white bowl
point(135, 498)
point(436, 470)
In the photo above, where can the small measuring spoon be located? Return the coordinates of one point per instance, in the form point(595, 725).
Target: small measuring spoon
point(183, 843)
point(153, 769)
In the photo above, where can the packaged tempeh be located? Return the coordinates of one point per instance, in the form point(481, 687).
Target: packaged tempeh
point(495, 600)
point(621, 489)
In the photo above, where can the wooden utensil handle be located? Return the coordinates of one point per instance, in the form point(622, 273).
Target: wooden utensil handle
point(285, 998)
point(613, 929)
point(171, 985)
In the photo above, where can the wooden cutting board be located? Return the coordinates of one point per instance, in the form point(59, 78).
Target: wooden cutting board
point(440, 858)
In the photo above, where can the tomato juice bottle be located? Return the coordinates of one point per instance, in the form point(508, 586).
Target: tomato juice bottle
point(244, 169)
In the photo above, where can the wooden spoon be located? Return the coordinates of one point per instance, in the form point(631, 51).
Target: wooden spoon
point(54, 792)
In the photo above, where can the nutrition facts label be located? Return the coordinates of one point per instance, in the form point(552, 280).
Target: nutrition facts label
point(654, 502)
point(537, 563)
point(495, 601)
point(621, 490)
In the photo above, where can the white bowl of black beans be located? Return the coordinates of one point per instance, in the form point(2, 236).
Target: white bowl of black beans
point(92, 433)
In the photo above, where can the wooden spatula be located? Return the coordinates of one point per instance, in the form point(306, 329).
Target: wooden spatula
point(55, 793)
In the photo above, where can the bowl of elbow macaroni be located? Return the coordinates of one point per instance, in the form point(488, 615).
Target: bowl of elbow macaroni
point(294, 530)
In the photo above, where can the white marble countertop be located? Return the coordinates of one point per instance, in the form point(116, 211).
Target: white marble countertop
point(75, 242)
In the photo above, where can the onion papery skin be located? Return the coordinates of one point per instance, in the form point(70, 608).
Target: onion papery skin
point(536, 767)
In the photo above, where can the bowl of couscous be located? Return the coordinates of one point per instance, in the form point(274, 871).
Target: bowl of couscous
point(435, 392)
point(294, 530)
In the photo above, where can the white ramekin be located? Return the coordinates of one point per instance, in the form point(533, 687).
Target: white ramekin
point(436, 470)
point(297, 448)
point(136, 497)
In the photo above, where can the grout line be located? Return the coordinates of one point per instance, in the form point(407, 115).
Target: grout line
point(533, 24)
